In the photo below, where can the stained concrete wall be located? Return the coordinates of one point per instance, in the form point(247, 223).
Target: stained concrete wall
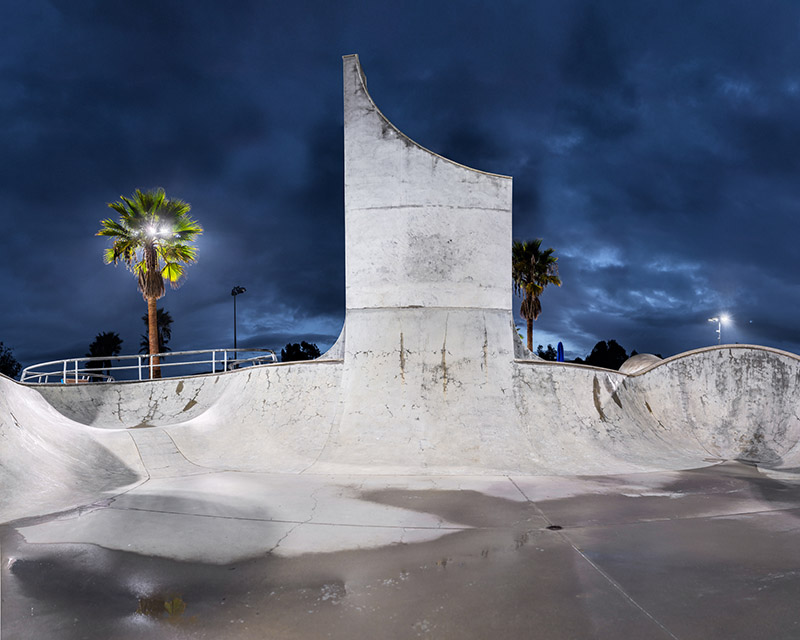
point(420, 230)
point(719, 403)
point(429, 336)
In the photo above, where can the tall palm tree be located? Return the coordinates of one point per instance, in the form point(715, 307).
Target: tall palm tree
point(532, 269)
point(153, 239)
point(164, 325)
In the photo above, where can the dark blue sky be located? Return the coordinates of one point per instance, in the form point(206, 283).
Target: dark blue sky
point(655, 145)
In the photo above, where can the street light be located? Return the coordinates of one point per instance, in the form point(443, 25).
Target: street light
point(235, 292)
point(719, 320)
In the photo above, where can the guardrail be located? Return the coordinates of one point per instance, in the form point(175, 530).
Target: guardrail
point(80, 371)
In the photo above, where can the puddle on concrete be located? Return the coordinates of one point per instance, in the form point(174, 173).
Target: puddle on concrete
point(507, 577)
point(496, 578)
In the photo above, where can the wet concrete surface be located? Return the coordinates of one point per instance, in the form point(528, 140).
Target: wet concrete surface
point(709, 553)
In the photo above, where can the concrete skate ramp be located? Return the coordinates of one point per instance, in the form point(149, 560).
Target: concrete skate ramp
point(49, 463)
point(720, 403)
point(428, 376)
point(734, 402)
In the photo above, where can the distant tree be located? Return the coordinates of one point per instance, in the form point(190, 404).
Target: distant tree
point(154, 239)
point(105, 345)
point(302, 351)
point(532, 269)
point(549, 354)
point(609, 355)
point(8, 363)
point(164, 329)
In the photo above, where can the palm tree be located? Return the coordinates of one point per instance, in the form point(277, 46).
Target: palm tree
point(532, 269)
point(153, 239)
point(106, 345)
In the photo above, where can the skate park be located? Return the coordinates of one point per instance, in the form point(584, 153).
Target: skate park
point(427, 477)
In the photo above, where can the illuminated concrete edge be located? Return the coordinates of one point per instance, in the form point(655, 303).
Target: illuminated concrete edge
point(428, 376)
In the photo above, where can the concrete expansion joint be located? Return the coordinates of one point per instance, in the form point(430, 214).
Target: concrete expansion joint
point(416, 307)
point(428, 206)
point(613, 583)
point(618, 587)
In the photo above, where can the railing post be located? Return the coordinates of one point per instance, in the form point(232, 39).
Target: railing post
point(64, 377)
point(214, 361)
point(139, 366)
point(225, 356)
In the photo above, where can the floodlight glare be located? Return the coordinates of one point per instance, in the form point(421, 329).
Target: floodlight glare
point(724, 318)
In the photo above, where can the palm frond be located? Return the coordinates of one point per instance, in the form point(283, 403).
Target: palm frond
point(178, 252)
point(173, 272)
point(152, 238)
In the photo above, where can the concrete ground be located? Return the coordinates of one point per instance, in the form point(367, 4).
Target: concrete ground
point(706, 553)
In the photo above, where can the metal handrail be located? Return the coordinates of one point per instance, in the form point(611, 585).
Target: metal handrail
point(77, 371)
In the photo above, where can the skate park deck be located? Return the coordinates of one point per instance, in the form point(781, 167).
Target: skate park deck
point(427, 477)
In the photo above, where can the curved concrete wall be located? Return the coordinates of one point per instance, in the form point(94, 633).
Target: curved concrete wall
point(729, 402)
point(53, 463)
point(420, 230)
point(137, 404)
point(427, 389)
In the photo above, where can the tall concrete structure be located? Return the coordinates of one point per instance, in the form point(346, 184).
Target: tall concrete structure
point(429, 335)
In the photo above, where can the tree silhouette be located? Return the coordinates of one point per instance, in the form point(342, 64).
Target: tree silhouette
point(8, 363)
point(303, 351)
point(105, 345)
point(549, 354)
point(164, 329)
point(609, 355)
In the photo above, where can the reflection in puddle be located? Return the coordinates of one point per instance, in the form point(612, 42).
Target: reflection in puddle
point(158, 607)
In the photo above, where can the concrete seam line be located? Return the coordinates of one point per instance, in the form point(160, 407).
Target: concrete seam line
point(183, 455)
point(323, 524)
point(139, 453)
point(716, 516)
point(608, 578)
point(428, 206)
point(618, 587)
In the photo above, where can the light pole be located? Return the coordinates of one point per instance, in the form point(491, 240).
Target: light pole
point(235, 292)
point(719, 320)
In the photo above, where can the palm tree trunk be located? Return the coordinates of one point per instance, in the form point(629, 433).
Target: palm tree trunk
point(152, 335)
point(530, 335)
